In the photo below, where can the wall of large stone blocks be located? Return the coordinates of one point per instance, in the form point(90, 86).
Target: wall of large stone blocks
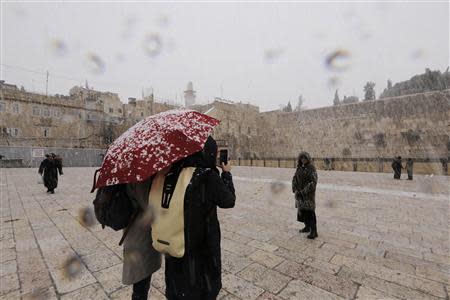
point(414, 126)
point(72, 157)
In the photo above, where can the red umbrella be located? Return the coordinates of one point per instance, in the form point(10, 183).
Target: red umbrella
point(153, 144)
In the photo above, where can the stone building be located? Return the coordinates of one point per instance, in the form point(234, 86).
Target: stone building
point(39, 120)
point(414, 126)
point(238, 126)
point(136, 110)
point(86, 118)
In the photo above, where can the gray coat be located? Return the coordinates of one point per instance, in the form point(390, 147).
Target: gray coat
point(139, 258)
point(304, 184)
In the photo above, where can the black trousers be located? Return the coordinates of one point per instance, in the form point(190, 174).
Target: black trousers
point(310, 219)
point(141, 289)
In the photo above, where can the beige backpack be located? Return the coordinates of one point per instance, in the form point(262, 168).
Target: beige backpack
point(168, 228)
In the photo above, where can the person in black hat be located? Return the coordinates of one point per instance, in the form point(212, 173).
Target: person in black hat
point(49, 167)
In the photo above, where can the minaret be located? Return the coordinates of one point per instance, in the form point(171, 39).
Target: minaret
point(189, 95)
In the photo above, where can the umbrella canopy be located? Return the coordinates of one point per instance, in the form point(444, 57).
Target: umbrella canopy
point(154, 144)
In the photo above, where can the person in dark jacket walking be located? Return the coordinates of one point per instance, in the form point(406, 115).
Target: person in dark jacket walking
point(397, 167)
point(409, 168)
point(197, 275)
point(304, 186)
point(50, 167)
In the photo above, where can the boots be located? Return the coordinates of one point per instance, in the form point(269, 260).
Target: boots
point(313, 234)
point(306, 229)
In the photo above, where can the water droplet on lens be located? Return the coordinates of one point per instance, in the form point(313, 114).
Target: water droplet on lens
point(87, 217)
point(72, 267)
point(95, 63)
point(338, 60)
point(152, 45)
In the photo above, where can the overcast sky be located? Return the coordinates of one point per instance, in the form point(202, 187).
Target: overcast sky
point(262, 53)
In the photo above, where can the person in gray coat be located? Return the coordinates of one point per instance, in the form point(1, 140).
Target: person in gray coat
point(409, 168)
point(140, 259)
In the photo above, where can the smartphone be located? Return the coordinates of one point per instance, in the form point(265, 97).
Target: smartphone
point(223, 156)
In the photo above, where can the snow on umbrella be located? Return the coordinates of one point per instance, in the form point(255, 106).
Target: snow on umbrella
point(153, 144)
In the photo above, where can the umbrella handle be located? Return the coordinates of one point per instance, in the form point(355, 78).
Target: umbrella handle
point(95, 180)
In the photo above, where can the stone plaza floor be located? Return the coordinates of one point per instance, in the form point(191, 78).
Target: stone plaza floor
point(378, 239)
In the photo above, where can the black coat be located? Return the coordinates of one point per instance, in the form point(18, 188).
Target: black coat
point(197, 275)
point(304, 184)
point(50, 168)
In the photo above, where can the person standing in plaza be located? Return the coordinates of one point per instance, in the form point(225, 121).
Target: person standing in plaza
point(49, 168)
point(409, 168)
point(304, 187)
point(397, 167)
point(198, 274)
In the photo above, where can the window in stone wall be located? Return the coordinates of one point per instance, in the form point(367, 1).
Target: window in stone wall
point(36, 111)
point(2, 106)
point(111, 110)
point(142, 114)
point(46, 132)
point(119, 110)
point(16, 108)
point(56, 112)
point(12, 131)
point(46, 112)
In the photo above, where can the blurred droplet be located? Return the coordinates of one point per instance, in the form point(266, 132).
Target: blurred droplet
point(39, 294)
point(120, 57)
point(365, 35)
point(18, 11)
point(152, 44)
point(87, 217)
point(132, 256)
point(338, 60)
point(148, 217)
point(418, 54)
point(329, 203)
point(128, 27)
point(163, 21)
point(95, 63)
point(58, 47)
point(271, 55)
point(72, 267)
point(277, 187)
point(334, 82)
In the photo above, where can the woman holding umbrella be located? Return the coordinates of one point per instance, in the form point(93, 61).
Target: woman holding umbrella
point(150, 147)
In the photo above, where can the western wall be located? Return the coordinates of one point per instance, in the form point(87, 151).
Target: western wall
point(370, 133)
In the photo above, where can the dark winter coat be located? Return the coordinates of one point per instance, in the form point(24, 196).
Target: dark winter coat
point(397, 167)
point(304, 184)
point(50, 168)
point(197, 275)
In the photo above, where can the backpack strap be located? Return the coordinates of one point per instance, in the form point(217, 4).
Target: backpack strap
point(95, 180)
point(127, 229)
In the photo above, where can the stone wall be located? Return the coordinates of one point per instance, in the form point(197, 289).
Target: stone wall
point(72, 157)
point(411, 126)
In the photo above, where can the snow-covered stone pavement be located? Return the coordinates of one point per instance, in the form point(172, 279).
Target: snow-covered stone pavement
point(378, 239)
